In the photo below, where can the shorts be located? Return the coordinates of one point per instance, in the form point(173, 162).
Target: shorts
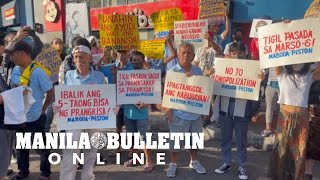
point(119, 121)
point(184, 126)
point(140, 126)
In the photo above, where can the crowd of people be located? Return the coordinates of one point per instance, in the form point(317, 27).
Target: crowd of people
point(295, 121)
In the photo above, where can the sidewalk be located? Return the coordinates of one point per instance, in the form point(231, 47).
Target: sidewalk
point(210, 157)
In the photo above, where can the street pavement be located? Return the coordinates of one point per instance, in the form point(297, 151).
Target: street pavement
point(210, 158)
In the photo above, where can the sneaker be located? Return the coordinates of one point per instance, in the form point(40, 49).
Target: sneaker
point(265, 133)
point(206, 123)
point(198, 167)
point(171, 172)
point(216, 124)
point(222, 169)
point(242, 173)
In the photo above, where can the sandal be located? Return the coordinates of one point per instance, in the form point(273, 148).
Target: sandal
point(266, 133)
point(130, 163)
point(148, 168)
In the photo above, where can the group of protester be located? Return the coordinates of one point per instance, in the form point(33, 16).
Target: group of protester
point(297, 87)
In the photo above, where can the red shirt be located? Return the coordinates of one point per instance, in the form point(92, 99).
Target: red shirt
point(254, 49)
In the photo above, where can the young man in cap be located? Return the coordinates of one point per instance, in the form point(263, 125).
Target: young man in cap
point(36, 77)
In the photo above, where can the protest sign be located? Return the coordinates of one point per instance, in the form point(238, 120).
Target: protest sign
point(314, 10)
point(257, 23)
point(289, 43)
point(213, 10)
point(85, 106)
point(139, 86)
point(50, 59)
point(237, 78)
point(163, 20)
point(192, 32)
point(191, 94)
point(153, 48)
point(119, 31)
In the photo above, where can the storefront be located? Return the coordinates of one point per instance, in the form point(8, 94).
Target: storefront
point(16, 13)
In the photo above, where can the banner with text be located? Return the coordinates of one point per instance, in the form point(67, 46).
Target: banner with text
point(119, 31)
point(153, 48)
point(139, 85)
point(289, 43)
point(213, 10)
point(192, 32)
point(85, 106)
point(50, 59)
point(237, 78)
point(163, 21)
point(191, 94)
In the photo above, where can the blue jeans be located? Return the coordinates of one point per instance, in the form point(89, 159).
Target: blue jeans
point(240, 125)
point(23, 154)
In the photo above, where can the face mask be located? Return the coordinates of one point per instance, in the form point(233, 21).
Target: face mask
point(297, 67)
point(238, 39)
point(137, 66)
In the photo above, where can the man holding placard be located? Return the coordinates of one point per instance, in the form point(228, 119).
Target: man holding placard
point(181, 121)
point(235, 114)
point(80, 76)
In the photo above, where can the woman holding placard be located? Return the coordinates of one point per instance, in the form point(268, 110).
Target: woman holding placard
point(288, 156)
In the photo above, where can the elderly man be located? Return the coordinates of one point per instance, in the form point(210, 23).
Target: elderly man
point(35, 76)
point(181, 121)
point(82, 75)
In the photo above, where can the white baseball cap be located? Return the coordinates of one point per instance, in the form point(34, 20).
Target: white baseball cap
point(81, 48)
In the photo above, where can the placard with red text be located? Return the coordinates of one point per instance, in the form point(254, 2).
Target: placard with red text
point(191, 94)
point(237, 78)
point(85, 106)
point(289, 43)
point(139, 86)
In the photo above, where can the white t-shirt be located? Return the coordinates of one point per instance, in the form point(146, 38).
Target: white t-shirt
point(294, 89)
point(205, 57)
point(272, 74)
point(226, 49)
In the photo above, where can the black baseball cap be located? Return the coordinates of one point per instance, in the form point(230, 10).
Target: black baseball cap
point(18, 46)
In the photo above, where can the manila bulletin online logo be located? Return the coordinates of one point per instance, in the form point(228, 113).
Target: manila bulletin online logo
point(109, 141)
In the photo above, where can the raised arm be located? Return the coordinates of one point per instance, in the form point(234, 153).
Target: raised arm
point(225, 32)
point(173, 52)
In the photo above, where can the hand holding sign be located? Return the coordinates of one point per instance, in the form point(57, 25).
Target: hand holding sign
point(55, 107)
